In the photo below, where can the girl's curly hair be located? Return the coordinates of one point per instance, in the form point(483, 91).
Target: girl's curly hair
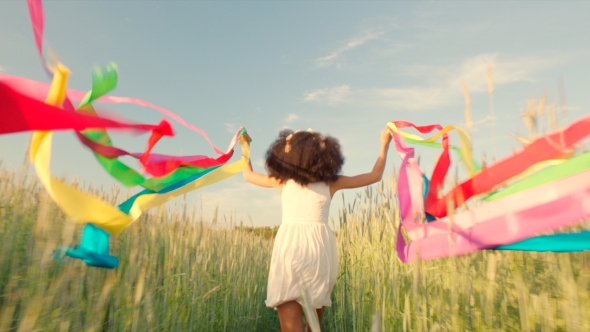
point(304, 157)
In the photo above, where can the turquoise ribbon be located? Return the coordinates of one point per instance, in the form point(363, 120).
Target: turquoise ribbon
point(93, 248)
point(567, 242)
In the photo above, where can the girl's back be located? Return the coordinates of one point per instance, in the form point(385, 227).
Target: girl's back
point(305, 253)
point(309, 203)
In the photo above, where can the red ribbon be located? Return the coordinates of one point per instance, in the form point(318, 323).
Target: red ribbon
point(543, 148)
point(21, 113)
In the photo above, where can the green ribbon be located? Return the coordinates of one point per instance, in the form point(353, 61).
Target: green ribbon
point(103, 81)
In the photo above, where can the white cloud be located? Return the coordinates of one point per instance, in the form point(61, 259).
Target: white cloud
point(231, 127)
point(291, 117)
point(408, 98)
point(442, 84)
point(330, 96)
point(326, 60)
point(474, 70)
point(349, 45)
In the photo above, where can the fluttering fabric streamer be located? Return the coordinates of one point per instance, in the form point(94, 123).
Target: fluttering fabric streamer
point(433, 238)
point(155, 165)
point(38, 90)
point(84, 208)
point(564, 242)
point(23, 109)
point(503, 221)
point(433, 201)
point(443, 163)
point(505, 225)
point(37, 16)
point(476, 167)
point(93, 248)
point(79, 206)
point(168, 169)
point(21, 113)
point(570, 167)
point(541, 149)
point(569, 242)
point(103, 81)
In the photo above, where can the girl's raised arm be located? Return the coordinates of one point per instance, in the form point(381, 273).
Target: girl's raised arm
point(258, 179)
point(361, 180)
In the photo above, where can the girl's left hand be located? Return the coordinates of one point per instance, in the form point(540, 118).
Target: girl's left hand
point(246, 138)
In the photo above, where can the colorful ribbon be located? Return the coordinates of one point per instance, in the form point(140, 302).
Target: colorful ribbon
point(183, 174)
point(570, 167)
point(38, 90)
point(23, 110)
point(503, 221)
point(502, 225)
point(22, 113)
point(82, 207)
point(542, 149)
point(93, 248)
point(156, 165)
point(569, 242)
point(103, 81)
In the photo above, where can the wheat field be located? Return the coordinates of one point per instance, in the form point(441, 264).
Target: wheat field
point(179, 272)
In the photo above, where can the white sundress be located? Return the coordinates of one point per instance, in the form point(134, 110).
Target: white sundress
point(304, 249)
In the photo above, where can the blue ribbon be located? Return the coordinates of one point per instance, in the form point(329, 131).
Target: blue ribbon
point(93, 248)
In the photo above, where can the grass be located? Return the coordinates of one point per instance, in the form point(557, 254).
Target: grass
point(181, 273)
point(175, 274)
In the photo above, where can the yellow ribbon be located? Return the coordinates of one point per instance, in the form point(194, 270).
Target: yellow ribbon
point(85, 208)
point(466, 153)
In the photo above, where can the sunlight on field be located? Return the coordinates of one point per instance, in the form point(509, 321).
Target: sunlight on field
point(180, 273)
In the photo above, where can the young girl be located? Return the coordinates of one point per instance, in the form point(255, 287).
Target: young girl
point(305, 168)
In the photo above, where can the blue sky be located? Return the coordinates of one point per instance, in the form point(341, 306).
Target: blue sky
point(343, 68)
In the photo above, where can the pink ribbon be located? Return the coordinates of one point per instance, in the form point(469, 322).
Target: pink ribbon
point(510, 219)
point(503, 221)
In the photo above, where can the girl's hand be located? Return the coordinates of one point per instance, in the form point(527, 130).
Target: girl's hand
point(246, 138)
point(385, 137)
point(361, 180)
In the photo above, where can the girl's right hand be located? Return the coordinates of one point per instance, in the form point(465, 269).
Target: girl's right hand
point(385, 137)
